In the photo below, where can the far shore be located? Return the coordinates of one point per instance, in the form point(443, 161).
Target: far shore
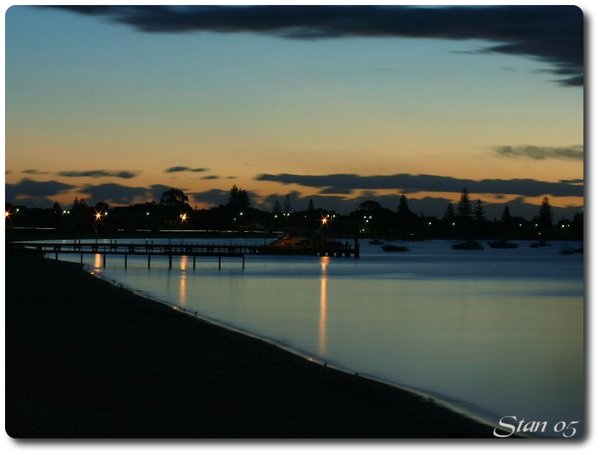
point(86, 359)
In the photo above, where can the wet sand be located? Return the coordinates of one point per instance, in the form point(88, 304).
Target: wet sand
point(87, 359)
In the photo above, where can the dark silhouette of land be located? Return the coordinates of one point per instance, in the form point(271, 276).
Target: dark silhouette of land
point(370, 219)
point(86, 359)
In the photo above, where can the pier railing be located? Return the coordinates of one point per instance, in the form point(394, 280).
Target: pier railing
point(194, 250)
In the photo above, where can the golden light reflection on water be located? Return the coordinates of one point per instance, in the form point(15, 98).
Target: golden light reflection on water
point(323, 307)
point(182, 280)
point(97, 262)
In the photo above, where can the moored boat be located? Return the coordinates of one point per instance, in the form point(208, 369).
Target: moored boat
point(502, 244)
point(394, 248)
point(470, 245)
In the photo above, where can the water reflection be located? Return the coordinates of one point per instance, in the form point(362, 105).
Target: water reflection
point(182, 280)
point(323, 307)
point(97, 262)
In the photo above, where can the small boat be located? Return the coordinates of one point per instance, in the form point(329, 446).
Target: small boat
point(395, 248)
point(570, 250)
point(375, 242)
point(539, 244)
point(502, 244)
point(468, 245)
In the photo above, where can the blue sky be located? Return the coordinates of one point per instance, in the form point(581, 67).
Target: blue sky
point(85, 92)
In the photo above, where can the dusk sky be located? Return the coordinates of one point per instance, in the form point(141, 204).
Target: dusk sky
point(337, 104)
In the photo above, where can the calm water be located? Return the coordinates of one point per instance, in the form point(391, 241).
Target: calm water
point(496, 332)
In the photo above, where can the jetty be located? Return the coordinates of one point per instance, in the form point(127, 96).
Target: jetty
point(149, 249)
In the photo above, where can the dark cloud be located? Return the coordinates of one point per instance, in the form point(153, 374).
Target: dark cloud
point(115, 194)
point(573, 181)
point(32, 193)
point(174, 169)
point(33, 172)
point(553, 34)
point(211, 197)
point(28, 189)
point(573, 152)
point(95, 173)
point(408, 183)
point(211, 177)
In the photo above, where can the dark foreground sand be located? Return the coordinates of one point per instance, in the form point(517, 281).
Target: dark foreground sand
point(86, 359)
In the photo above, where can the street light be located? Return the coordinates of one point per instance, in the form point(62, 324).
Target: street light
point(183, 218)
point(98, 218)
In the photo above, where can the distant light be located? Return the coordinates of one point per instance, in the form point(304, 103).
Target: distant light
point(241, 213)
point(275, 216)
point(183, 217)
point(429, 223)
point(147, 213)
point(324, 220)
point(562, 226)
point(105, 213)
point(17, 210)
point(520, 225)
point(6, 214)
point(98, 216)
point(64, 211)
point(453, 223)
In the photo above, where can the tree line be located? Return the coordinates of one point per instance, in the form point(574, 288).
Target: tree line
point(464, 219)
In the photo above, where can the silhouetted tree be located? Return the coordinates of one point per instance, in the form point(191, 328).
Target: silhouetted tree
point(101, 207)
point(311, 206)
point(79, 206)
point(406, 217)
point(277, 207)
point(578, 225)
point(506, 218)
point(403, 208)
point(479, 211)
point(544, 217)
point(238, 199)
point(450, 215)
point(287, 206)
point(464, 209)
point(174, 198)
point(370, 206)
point(56, 208)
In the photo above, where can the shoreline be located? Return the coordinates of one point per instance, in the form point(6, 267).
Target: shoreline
point(204, 379)
point(431, 397)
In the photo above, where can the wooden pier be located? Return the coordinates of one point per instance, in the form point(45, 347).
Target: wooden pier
point(193, 250)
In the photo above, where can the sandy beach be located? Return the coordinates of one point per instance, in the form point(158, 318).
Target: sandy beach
point(87, 359)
